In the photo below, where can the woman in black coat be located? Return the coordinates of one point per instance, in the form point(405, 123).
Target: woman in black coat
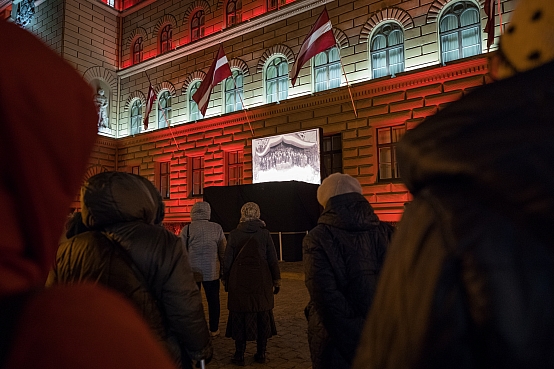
point(252, 277)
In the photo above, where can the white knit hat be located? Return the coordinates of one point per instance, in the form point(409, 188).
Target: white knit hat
point(337, 184)
point(528, 42)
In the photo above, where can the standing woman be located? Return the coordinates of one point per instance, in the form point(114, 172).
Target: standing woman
point(252, 277)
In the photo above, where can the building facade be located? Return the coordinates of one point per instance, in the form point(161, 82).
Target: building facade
point(395, 63)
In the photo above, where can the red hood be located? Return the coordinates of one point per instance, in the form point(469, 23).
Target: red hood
point(48, 127)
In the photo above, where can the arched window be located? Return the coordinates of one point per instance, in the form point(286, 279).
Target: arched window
point(327, 70)
point(194, 112)
point(166, 36)
point(136, 117)
point(234, 92)
point(137, 51)
point(234, 12)
point(277, 79)
point(387, 50)
point(197, 25)
point(460, 32)
point(164, 109)
point(275, 4)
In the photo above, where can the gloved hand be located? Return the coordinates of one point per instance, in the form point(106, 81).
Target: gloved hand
point(276, 290)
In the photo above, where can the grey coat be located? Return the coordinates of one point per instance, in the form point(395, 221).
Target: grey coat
point(206, 243)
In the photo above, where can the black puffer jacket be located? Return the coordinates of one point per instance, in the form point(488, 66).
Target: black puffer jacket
point(343, 255)
point(120, 208)
point(469, 278)
point(256, 293)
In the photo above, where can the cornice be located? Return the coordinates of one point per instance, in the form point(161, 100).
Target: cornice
point(362, 90)
point(243, 28)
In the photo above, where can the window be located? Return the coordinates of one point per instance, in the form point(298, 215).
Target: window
point(234, 168)
point(387, 138)
point(387, 50)
point(194, 112)
point(234, 92)
point(275, 4)
point(234, 12)
point(136, 117)
point(277, 79)
point(460, 32)
point(332, 155)
point(135, 170)
point(197, 169)
point(327, 70)
point(164, 109)
point(197, 25)
point(137, 51)
point(164, 179)
point(166, 36)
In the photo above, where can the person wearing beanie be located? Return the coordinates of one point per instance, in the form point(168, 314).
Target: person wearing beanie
point(343, 256)
point(205, 244)
point(469, 277)
point(251, 276)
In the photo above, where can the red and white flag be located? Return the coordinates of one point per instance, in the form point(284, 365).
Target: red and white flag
point(219, 70)
point(319, 39)
point(149, 103)
point(489, 27)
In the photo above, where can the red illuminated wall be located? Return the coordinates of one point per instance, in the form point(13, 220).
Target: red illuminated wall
point(406, 99)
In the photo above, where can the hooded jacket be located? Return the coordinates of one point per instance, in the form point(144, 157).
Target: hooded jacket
point(120, 209)
point(343, 256)
point(205, 244)
point(469, 279)
point(45, 148)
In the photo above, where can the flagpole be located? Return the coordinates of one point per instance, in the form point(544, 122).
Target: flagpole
point(243, 107)
point(347, 84)
point(165, 117)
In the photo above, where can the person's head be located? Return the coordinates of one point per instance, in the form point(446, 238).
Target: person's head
point(528, 41)
point(337, 184)
point(249, 211)
point(43, 155)
point(74, 225)
point(200, 211)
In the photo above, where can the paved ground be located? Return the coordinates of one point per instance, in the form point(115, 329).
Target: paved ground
point(289, 349)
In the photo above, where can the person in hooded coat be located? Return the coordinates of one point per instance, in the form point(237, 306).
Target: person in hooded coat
point(343, 256)
point(43, 156)
point(205, 243)
point(121, 210)
point(469, 278)
point(252, 277)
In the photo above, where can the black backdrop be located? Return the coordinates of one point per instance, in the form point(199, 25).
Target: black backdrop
point(284, 207)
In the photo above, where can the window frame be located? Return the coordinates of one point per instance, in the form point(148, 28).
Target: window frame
point(450, 10)
point(276, 79)
point(327, 68)
point(234, 163)
point(395, 172)
point(196, 169)
point(137, 55)
point(235, 91)
point(332, 138)
point(195, 84)
point(166, 39)
point(167, 109)
point(236, 14)
point(200, 17)
point(382, 31)
point(274, 4)
point(163, 178)
point(137, 118)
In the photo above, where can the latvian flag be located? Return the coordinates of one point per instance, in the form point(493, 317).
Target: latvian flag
point(219, 70)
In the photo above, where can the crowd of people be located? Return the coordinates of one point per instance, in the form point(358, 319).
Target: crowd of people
point(465, 281)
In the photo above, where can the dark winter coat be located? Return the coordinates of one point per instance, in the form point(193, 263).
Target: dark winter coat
point(469, 279)
point(343, 255)
point(251, 276)
point(120, 209)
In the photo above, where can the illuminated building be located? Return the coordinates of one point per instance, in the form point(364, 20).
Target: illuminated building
point(404, 60)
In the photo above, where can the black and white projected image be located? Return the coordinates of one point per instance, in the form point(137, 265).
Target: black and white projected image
point(288, 157)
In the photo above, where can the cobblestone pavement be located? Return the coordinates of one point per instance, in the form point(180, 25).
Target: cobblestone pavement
point(289, 348)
